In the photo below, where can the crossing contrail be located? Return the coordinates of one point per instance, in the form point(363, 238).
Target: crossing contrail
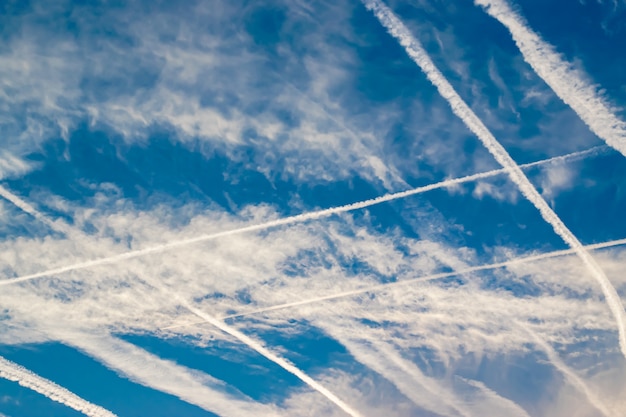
point(14, 372)
point(430, 277)
point(279, 222)
point(283, 363)
point(567, 82)
point(418, 54)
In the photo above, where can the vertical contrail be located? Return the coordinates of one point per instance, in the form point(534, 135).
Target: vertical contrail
point(283, 363)
point(419, 55)
point(14, 372)
point(567, 82)
point(265, 225)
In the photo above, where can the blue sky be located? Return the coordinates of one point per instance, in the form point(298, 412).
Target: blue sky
point(155, 157)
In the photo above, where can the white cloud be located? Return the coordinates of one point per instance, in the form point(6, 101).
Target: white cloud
point(417, 53)
point(436, 335)
point(429, 317)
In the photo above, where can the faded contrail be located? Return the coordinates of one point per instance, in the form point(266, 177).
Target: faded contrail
point(27, 208)
point(567, 372)
point(419, 55)
point(56, 225)
point(283, 363)
point(431, 277)
point(144, 368)
point(567, 82)
point(287, 220)
point(14, 372)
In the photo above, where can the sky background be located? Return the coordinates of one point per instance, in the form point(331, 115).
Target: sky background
point(129, 126)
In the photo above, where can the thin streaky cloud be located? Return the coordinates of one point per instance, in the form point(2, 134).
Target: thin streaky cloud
point(565, 370)
point(567, 82)
point(139, 356)
point(279, 222)
point(511, 408)
point(189, 385)
point(391, 360)
point(423, 391)
point(14, 372)
point(431, 277)
point(134, 363)
point(418, 54)
point(111, 356)
point(283, 363)
point(27, 208)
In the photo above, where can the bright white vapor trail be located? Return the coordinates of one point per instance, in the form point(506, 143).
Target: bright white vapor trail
point(418, 54)
point(108, 350)
point(14, 372)
point(431, 277)
point(565, 81)
point(283, 363)
point(274, 223)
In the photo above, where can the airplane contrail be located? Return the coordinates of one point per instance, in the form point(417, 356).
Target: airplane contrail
point(418, 54)
point(280, 222)
point(14, 372)
point(430, 277)
point(144, 368)
point(27, 208)
point(24, 377)
point(567, 372)
point(59, 225)
point(567, 82)
point(283, 363)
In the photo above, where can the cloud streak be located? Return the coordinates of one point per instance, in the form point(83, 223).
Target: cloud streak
point(567, 82)
point(17, 201)
point(566, 371)
point(261, 226)
point(191, 386)
point(431, 277)
point(283, 363)
point(14, 372)
point(111, 356)
point(419, 55)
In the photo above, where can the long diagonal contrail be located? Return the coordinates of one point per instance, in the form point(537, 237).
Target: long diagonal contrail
point(388, 285)
point(268, 354)
point(8, 371)
point(568, 84)
point(14, 372)
point(419, 55)
point(279, 222)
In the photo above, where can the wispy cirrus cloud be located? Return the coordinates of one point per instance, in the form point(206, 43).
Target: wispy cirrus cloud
point(462, 110)
point(94, 308)
point(402, 305)
point(60, 226)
